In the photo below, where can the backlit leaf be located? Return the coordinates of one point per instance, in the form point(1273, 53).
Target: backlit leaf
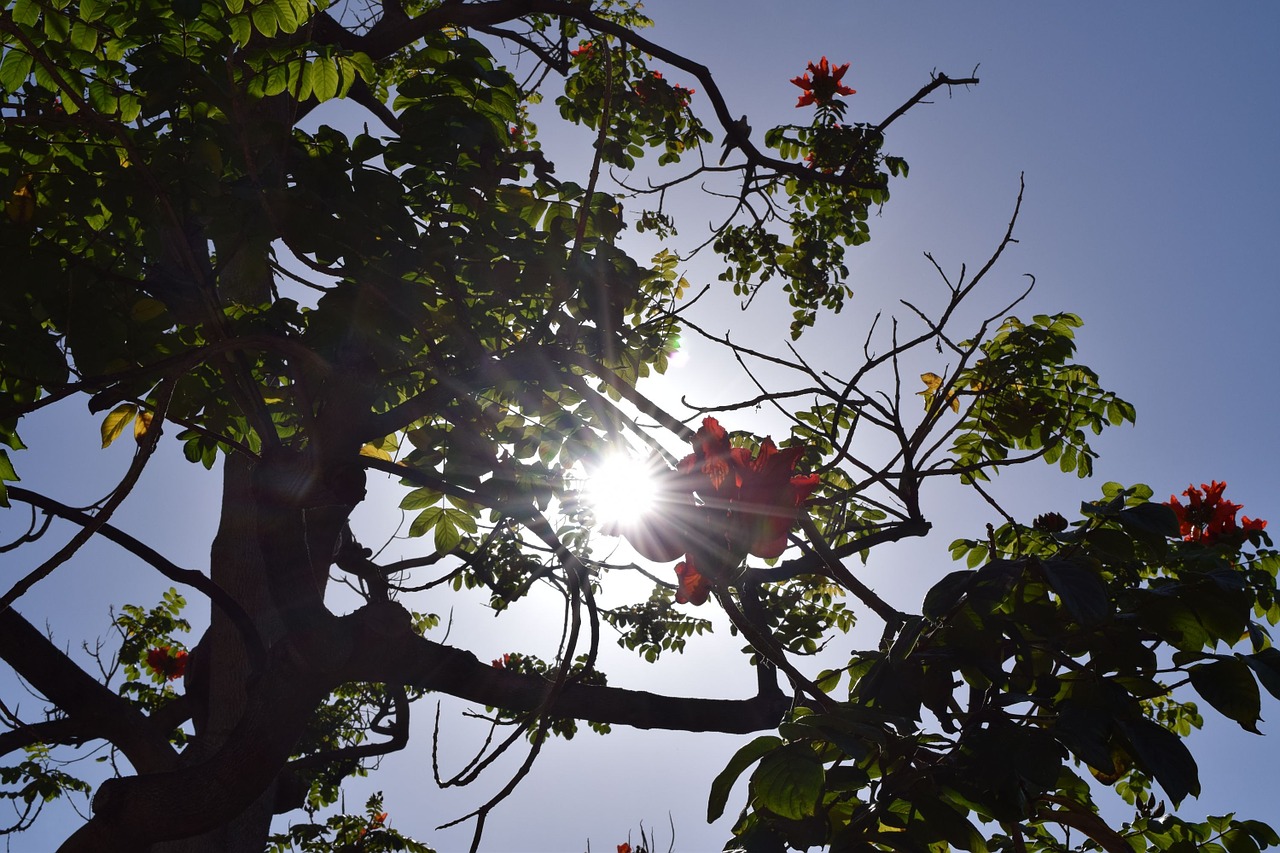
point(115, 422)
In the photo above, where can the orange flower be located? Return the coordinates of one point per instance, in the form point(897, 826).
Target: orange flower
point(825, 84)
point(1209, 519)
point(712, 457)
point(624, 847)
point(694, 588)
point(769, 498)
point(169, 664)
point(746, 504)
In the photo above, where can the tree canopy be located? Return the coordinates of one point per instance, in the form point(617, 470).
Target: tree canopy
point(423, 292)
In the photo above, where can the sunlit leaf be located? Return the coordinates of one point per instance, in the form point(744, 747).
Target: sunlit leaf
point(115, 422)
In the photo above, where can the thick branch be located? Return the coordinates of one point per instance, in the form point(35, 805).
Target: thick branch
point(84, 699)
point(374, 644)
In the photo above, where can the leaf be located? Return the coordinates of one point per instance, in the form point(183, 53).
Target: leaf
point(449, 528)
point(947, 592)
point(1228, 685)
point(1085, 731)
point(1266, 664)
point(116, 421)
point(83, 36)
point(92, 10)
point(6, 473)
point(933, 384)
point(789, 781)
point(141, 425)
point(26, 12)
point(742, 759)
point(1154, 519)
point(1163, 754)
point(425, 520)
point(324, 78)
point(241, 29)
point(265, 20)
point(1081, 590)
point(373, 451)
point(14, 69)
point(420, 498)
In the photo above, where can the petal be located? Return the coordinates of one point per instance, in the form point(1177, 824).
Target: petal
point(694, 588)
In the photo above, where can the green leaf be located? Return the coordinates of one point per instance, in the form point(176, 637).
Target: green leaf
point(26, 12)
point(420, 499)
point(324, 78)
point(425, 520)
point(1154, 519)
point(265, 20)
point(947, 592)
point(121, 416)
point(1228, 685)
point(742, 759)
point(92, 10)
point(1266, 664)
point(241, 29)
point(788, 782)
point(447, 533)
point(1081, 590)
point(14, 69)
point(6, 473)
point(289, 14)
point(1085, 731)
point(1163, 755)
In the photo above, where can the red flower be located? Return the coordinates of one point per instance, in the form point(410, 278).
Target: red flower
point(583, 49)
point(500, 663)
point(770, 497)
point(169, 664)
point(694, 588)
point(1208, 518)
point(746, 504)
point(712, 456)
point(624, 847)
point(825, 84)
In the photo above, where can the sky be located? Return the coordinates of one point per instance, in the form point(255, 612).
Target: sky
point(1147, 134)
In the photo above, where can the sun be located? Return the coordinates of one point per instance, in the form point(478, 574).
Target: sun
point(621, 487)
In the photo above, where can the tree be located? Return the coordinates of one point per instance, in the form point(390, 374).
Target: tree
point(436, 302)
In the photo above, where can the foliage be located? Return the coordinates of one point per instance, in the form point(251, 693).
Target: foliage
point(368, 833)
point(325, 241)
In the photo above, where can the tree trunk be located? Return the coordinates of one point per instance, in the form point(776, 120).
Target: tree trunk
point(221, 667)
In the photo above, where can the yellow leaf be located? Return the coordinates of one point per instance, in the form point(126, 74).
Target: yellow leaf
point(140, 426)
point(115, 422)
point(375, 452)
point(933, 384)
point(21, 206)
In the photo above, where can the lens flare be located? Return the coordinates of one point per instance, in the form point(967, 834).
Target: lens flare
point(619, 489)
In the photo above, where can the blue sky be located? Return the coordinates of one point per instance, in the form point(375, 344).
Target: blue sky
point(1148, 136)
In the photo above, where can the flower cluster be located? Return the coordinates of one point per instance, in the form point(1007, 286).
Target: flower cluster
point(824, 85)
point(745, 504)
point(170, 663)
point(1209, 519)
point(376, 822)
